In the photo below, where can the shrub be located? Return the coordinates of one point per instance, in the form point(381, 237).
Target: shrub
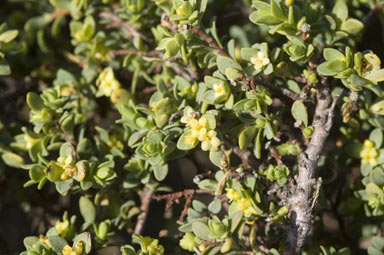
point(258, 123)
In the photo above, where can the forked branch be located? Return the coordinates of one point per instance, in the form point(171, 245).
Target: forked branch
point(300, 205)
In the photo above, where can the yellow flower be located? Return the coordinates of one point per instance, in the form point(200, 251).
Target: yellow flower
point(65, 161)
point(62, 227)
point(215, 143)
point(245, 205)
point(115, 142)
point(107, 83)
point(66, 91)
point(67, 164)
point(219, 89)
point(67, 250)
point(200, 131)
point(44, 240)
point(190, 139)
point(188, 116)
point(260, 61)
point(189, 241)
point(78, 248)
point(202, 135)
point(369, 153)
point(233, 195)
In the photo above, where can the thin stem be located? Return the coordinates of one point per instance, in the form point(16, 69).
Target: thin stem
point(120, 22)
point(146, 198)
point(199, 32)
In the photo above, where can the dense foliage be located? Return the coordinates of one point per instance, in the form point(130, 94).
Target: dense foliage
point(151, 127)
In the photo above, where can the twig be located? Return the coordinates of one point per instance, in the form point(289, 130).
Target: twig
point(186, 207)
point(125, 52)
point(248, 160)
point(119, 22)
point(166, 23)
point(299, 202)
point(317, 192)
point(146, 198)
point(179, 71)
point(276, 156)
point(198, 31)
point(188, 194)
point(189, 76)
point(78, 61)
point(58, 13)
point(250, 83)
point(149, 90)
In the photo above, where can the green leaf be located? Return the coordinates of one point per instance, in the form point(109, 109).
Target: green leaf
point(352, 26)
point(53, 171)
point(378, 108)
point(216, 157)
point(376, 76)
point(57, 243)
point(377, 137)
point(34, 101)
point(232, 73)
point(225, 62)
point(236, 219)
point(160, 172)
point(333, 54)
point(64, 186)
point(378, 242)
point(208, 184)
point(257, 146)
point(86, 238)
point(87, 210)
point(340, 9)
point(377, 176)
point(5, 70)
point(337, 66)
point(201, 230)
point(374, 251)
point(8, 36)
point(66, 150)
point(323, 69)
point(12, 159)
point(36, 173)
point(29, 241)
point(199, 206)
point(299, 112)
point(246, 136)
point(278, 10)
point(265, 19)
point(182, 145)
point(215, 206)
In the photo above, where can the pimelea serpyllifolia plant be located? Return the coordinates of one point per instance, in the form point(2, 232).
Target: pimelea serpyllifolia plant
point(264, 120)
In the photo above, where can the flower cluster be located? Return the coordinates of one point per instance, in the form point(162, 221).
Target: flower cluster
point(77, 249)
point(201, 130)
point(369, 153)
point(189, 241)
point(259, 61)
point(62, 227)
point(243, 203)
point(150, 246)
point(107, 83)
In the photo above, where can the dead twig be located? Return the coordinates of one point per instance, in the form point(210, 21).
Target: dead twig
point(146, 198)
point(211, 42)
point(187, 194)
point(120, 22)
